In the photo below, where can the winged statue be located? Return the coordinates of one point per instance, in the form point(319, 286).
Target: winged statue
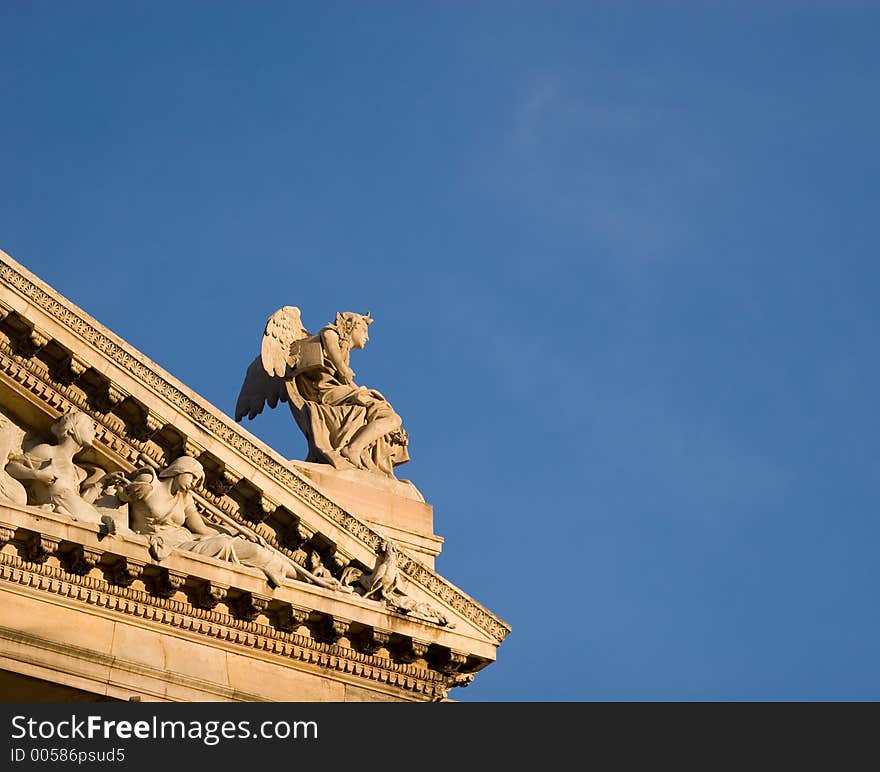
point(346, 425)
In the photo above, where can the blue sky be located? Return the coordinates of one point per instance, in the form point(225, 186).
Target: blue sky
point(623, 263)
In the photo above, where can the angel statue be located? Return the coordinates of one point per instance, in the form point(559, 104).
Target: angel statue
point(346, 425)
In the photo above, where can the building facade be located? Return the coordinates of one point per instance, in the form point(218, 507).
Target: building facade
point(98, 608)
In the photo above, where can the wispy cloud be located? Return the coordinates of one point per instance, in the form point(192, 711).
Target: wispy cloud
point(613, 165)
point(538, 100)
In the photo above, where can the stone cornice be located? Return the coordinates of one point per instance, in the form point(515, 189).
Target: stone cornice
point(88, 591)
point(69, 563)
point(79, 547)
point(227, 431)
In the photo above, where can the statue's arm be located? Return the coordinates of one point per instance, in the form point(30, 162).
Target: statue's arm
point(330, 341)
point(195, 522)
point(32, 465)
point(136, 489)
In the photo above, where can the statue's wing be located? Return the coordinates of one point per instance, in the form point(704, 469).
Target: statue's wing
point(258, 390)
point(264, 383)
point(283, 328)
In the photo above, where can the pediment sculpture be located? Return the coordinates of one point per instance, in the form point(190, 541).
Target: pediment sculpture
point(346, 425)
point(49, 477)
point(155, 503)
point(10, 489)
point(159, 503)
point(162, 507)
point(385, 583)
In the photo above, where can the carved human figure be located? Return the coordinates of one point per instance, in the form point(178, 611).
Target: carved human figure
point(346, 425)
point(162, 507)
point(10, 488)
point(52, 479)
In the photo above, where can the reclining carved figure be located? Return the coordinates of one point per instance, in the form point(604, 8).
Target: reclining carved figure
point(162, 507)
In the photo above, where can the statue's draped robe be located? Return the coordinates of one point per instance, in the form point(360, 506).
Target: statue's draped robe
point(333, 417)
point(166, 532)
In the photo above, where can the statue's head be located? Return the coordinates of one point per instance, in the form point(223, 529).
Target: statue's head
point(352, 328)
point(187, 473)
point(386, 547)
point(78, 426)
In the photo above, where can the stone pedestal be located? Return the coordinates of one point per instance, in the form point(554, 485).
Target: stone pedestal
point(395, 507)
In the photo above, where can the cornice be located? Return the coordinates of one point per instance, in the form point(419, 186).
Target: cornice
point(33, 574)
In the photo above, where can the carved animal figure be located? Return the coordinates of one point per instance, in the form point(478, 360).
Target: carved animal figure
point(385, 578)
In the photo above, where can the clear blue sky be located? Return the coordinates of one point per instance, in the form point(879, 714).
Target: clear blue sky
point(623, 263)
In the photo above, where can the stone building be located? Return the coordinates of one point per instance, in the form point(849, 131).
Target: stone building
point(98, 602)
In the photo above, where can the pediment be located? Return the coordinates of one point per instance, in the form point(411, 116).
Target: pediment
point(55, 358)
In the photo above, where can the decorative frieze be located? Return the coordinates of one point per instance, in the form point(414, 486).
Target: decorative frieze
point(69, 370)
point(76, 365)
point(163, 583)
point(374, 640)
point(412, 650)
point(246, 605)
point(128, 601)
point(124, 572)
point(258, 508)
point(38, 548)
point(222, 481)
point(207, 595)
point(192, 448)
point(331, 629)
point(80, 560)
point(153, 422)
point(289, 618)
